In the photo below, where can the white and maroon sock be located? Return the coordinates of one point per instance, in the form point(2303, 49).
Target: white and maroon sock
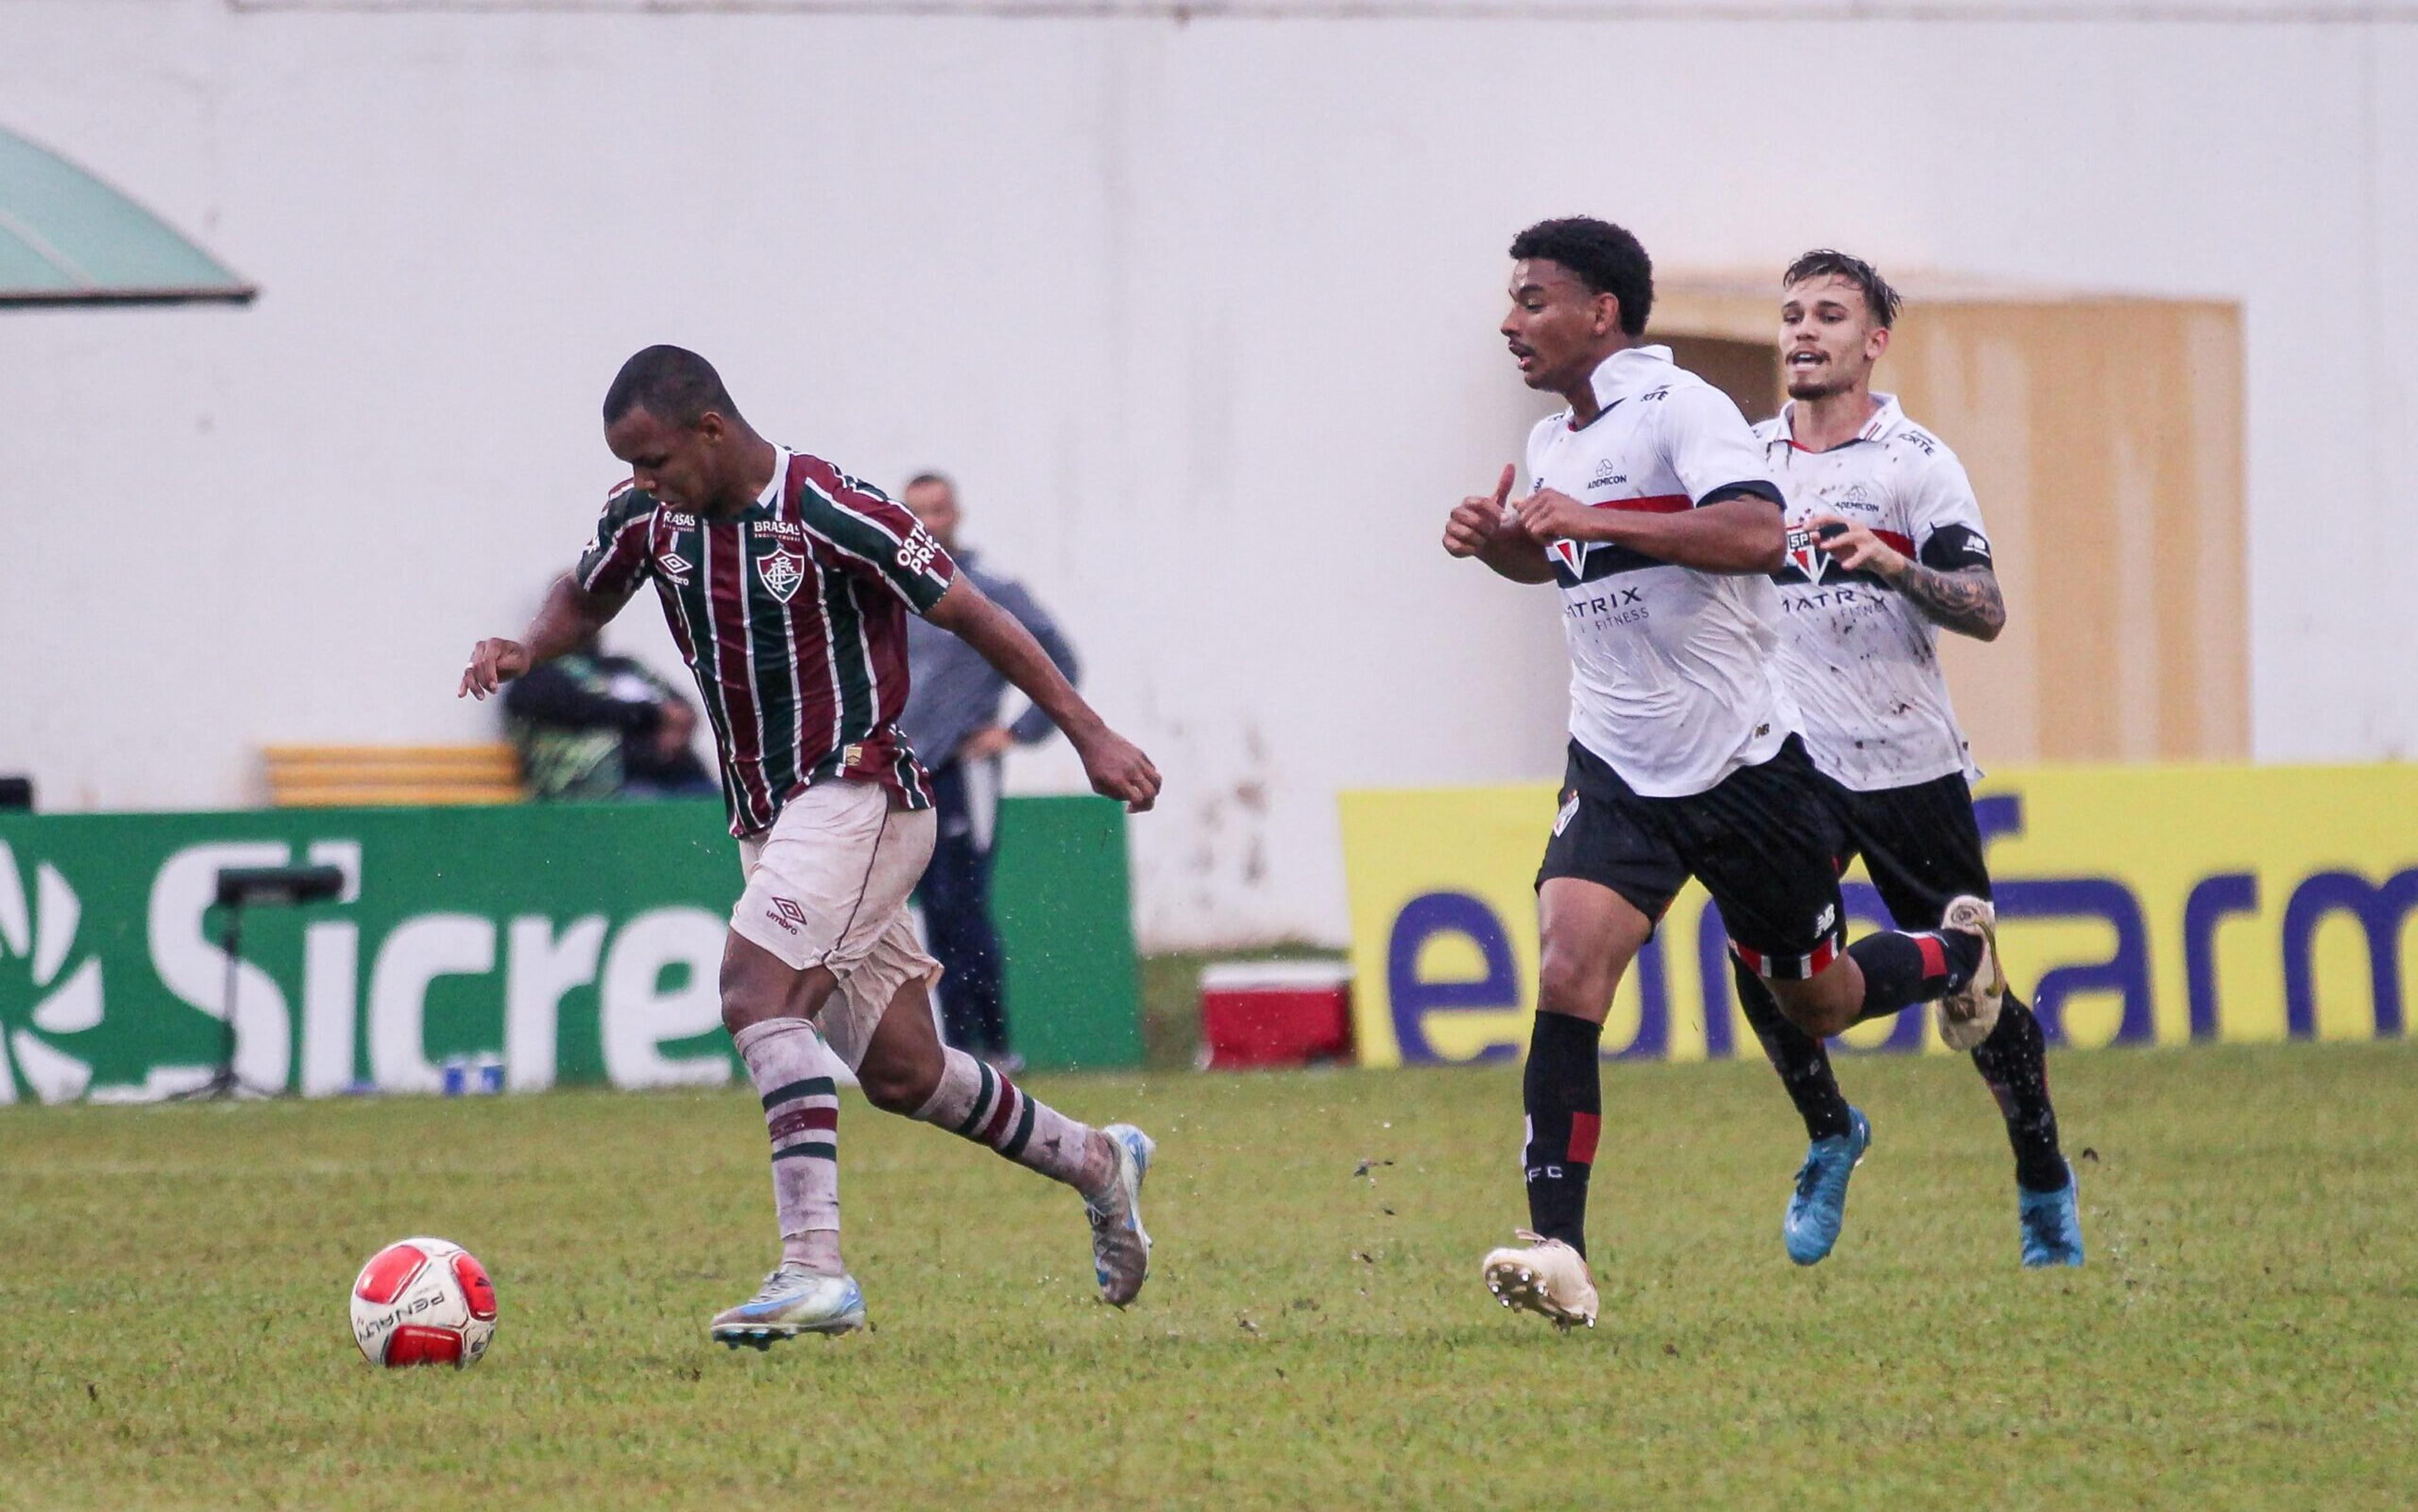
point(802, 1114)
point(978, 1103)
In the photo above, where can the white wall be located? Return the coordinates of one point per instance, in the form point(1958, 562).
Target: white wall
point(1200, 314)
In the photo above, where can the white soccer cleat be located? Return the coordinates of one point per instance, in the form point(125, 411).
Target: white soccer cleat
point(1120, 1245)
point(1544, 1275)
point(793, 1300)
point(1967, 1014)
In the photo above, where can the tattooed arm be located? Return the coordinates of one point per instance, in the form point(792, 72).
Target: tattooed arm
point(1966, 600)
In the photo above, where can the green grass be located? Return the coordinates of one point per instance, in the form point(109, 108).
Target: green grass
point(174, 1278)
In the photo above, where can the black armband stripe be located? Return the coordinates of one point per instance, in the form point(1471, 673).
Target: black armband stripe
point(1953, 548)
point(1748, 488)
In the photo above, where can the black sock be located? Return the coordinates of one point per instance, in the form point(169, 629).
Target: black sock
point(1803, 1064)
point(1902, 969)
point(2012, 1062)
point(1564, 1094)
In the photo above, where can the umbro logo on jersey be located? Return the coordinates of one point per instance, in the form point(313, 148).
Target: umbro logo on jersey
point(675, 567)
point(782, 572)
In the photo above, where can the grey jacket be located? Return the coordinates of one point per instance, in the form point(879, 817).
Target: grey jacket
point(952, 692)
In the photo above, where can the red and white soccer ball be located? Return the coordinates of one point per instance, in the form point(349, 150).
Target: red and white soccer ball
point(423, 1301)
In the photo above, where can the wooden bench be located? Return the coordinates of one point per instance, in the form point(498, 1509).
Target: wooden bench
point(388, 776)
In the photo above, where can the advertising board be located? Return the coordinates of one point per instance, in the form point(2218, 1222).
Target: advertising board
point(566, 942)
point(2138, 906)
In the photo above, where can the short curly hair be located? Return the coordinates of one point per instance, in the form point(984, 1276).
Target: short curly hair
point(1826, 261)
point(1606, 259)
point(672, 383)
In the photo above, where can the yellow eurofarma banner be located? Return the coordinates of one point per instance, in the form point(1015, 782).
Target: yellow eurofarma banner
point(2137, 905)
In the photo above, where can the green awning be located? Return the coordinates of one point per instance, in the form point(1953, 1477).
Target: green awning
point(65, 237)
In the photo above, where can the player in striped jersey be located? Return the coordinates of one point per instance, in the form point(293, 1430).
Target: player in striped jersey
point(1885, 550)
point(786, 584)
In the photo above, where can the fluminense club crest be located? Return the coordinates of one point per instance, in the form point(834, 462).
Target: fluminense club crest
point(781, 570)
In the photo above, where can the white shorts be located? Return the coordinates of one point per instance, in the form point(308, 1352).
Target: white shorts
point(827, 885)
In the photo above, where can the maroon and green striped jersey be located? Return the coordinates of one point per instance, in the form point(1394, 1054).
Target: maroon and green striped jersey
point(792, 614)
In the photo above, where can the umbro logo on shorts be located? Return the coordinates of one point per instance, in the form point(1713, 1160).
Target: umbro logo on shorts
point(787, 913)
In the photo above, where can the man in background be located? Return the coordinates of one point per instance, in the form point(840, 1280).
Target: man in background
point(590, 725)
point(952, 718)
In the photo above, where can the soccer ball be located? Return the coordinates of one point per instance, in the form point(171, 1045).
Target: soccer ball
point(423, 1301)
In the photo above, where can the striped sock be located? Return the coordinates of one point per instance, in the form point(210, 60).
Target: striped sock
point(802, 1114)
point(978, 1103)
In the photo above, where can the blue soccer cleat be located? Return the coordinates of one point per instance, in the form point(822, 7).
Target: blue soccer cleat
point(1820, 1205)
point(2052, 1224)
point(793, 1300)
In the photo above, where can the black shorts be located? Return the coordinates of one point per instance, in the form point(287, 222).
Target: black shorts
point(1766, 840)
point(1920, 843)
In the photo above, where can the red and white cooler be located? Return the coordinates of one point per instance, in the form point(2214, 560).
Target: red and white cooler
point(1275, 1013)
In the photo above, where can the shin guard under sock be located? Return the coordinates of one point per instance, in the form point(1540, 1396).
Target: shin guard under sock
point(1563, 1090)
point(1902, 969)
point(1803, 1064)
point(978, 1103)
point(2013, 1062)
point(785, 1061)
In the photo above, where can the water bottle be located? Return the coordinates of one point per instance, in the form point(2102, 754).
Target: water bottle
point(491, 1072)
point(456, 1075)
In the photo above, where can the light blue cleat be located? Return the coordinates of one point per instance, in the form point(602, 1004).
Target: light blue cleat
point(1820, 1205)
point(2052, 1224)
point(1120, 1245)
point(793, 1300)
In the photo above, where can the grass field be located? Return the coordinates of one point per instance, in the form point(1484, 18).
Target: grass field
point(2245, 1336)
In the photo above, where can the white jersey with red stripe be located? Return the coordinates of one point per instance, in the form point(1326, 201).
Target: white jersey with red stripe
point(1862, 661)
point(1673, 676)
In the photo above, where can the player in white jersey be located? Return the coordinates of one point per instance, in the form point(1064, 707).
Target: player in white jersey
point(1651, 508)
point(1886, 549)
